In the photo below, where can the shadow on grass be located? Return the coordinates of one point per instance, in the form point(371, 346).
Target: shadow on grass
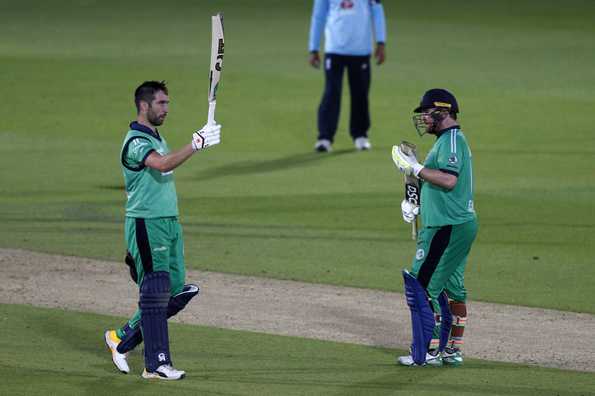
point(230, 231)
point(113, 187)
point(256, 167)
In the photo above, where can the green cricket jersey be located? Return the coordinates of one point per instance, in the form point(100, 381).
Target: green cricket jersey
point(151, 193)
point(439, 206)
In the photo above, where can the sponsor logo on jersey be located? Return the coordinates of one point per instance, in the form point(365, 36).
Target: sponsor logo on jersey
point(347, 4)
point(420, 254)
point(470, 207)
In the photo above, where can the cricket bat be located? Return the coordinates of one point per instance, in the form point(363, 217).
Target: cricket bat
point(412, 192)
point(217, 49)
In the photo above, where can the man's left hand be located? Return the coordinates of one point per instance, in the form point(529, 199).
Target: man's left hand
point(406, 163)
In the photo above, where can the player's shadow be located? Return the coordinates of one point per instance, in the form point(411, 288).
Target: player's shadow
point(255, 167)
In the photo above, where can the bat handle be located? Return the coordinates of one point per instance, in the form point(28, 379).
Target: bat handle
point(211, 116)
point(414, 229)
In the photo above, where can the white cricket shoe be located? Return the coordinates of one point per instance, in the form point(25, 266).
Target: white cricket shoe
point(323, 146)
point(431, 360)
point(362, 143)
point(164, 372)
point(112, 340)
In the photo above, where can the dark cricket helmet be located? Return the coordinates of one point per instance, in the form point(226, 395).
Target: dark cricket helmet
point(438, 98)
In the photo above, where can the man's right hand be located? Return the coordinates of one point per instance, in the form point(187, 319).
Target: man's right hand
point(379, 53)
point(409, 211)
point(314, 59)
point(209, 135)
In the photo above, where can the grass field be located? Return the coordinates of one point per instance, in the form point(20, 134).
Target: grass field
point(263, 203)
point(62, 354)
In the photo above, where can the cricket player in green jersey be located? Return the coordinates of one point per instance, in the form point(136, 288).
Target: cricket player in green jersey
point(153, 235)
point(434, 288)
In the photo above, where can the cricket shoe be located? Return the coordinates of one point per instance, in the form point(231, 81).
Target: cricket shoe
point(431, 360)
point(323, 146)
point(164, 372)
point(362, 144)
point(112, 340)
point(452, 357)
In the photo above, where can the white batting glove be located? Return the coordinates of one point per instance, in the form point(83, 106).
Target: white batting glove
point(409, 211)
point(406, 163)
point(209, 135)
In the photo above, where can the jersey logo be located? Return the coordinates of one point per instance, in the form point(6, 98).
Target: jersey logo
point(347, 4)
point(452, 160)
point(420, 254)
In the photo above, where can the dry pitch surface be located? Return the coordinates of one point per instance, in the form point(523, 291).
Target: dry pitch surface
point(495, 332)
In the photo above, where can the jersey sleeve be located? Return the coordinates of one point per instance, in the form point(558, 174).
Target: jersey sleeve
point(136, 151)
point(379, 21)
point(317, 22)
point(450, 155)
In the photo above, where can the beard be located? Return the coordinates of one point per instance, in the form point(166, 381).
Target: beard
point(154, 119)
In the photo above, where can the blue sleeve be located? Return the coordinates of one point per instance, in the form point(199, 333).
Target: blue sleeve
point(379, 22)
point(319, 13)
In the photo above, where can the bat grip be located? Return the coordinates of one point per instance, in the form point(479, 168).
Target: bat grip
point(211, 116)
point(414, 229)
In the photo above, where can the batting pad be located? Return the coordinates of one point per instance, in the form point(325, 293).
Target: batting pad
point(180, 300)
point(154, 298)
point(445, 320)
point(133, 337)
point(422, 318)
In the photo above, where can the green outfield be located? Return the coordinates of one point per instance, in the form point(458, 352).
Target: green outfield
point(263, 203)
point(60, 353)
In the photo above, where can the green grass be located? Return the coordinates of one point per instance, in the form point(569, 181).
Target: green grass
point(62, 352)
point(262, 203)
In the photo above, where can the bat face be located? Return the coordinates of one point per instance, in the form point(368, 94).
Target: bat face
point(412, 193)
point(411, 182)
point(220, 50)
point(217, 51)
point(412, 190)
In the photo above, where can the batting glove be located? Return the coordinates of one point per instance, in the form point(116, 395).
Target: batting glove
point(406, 163)
point(209, 135)
point(409, 211)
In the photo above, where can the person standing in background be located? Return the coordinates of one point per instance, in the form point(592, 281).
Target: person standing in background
point(348, 29)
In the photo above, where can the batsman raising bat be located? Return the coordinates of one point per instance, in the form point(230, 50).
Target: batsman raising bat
point(434, 288)
point(154, 238)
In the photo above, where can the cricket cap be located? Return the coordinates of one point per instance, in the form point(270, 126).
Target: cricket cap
point(438, 97)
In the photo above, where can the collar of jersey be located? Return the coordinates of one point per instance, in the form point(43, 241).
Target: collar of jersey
point(144, 129)
point(440, 133)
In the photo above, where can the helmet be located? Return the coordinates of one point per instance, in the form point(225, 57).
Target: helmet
point(442, 101)
point(440, 98)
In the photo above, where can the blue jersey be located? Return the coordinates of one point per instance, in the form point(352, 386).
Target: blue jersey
point(348, 26)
